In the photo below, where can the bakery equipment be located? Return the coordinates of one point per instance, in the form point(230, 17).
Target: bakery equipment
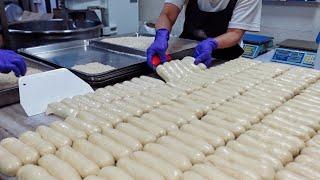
point(255, 45)
point(35, 33)
point(122, 16)
point(296, 52)
point(73, 26)
point(127, 63)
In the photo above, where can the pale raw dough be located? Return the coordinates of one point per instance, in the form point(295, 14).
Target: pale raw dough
point(10, 80)
point(93, 68)
point(141, 42)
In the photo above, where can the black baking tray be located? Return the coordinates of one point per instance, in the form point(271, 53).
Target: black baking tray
point(10, 95)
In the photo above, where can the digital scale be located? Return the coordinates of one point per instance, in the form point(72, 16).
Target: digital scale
point(296, 52)
point(255, 45)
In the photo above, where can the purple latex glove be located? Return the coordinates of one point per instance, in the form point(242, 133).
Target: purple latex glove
point(204, 50)
point(11, 61)
point(158, 47)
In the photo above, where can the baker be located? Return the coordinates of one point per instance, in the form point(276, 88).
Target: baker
point(11, 61)
point(219, 25)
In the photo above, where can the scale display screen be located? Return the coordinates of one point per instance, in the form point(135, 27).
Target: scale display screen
point(294, 57)
point(250, 51)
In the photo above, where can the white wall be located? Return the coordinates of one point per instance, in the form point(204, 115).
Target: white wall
point(150, 10)
point(284, 22)
point(281, 22)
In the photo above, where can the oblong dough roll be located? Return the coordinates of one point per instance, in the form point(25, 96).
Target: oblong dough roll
point(115, 173)
point(169, 126)
point(68, 130)
point(123, 138)
point(167, 170)
point(194, 155)
point(265, 171)
point(193, 141)
point(286, 175)
point(32, 172)
point(308, 161)
point(131, 109)
point(189, 116)
point(84, 166)
point(224, 133)
point(285, 128)
point(94, 153)
point(93, 177)
point(233, 169)
point(137, 170)
point(107, 115)
point(58, 168)
point(61, 110)
point(9, 163)
point(34, 140)
point(231, 118)
point(210, 172)
point(117, 150)
point(273, 141)
point(274, 132)
point(283, 155)
point(191, 175)
point(143, 136)
point(235, 128)
point(303, 170)
point(211, 138)
point(170, 117)
point(26, 154)
point(311, 151)
point(255, 153)
point(90, 118)
point(89, 128)
point(57, 139)
point(147, 126)
point(178, 160)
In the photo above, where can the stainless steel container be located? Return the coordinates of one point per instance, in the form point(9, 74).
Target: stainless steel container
point(35, 33)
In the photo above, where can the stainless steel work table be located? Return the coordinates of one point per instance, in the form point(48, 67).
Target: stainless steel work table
point(14, 121)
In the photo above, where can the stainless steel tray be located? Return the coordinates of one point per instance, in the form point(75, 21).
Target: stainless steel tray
point(178, 47)
point(10, 94)
point(73, 53)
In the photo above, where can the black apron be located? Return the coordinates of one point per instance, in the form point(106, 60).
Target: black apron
point(200, 25)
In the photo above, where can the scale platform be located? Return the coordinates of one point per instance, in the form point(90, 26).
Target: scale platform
point(255, 45)
point(296, 52)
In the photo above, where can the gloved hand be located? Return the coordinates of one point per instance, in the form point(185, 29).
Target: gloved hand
point(158, 47)
point(204, 50)
point(11, 61)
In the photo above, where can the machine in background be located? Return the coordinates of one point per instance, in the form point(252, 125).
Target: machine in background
point(256, 45)
point(296, 52)
point(117, 16)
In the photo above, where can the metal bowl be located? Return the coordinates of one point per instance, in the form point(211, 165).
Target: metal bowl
point(35, 33)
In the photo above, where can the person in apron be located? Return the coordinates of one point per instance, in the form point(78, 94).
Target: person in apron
point(219, 25)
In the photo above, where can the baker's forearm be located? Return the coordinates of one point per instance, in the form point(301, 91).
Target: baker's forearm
point(168, 16)
point(164, 22)
point(230, 38)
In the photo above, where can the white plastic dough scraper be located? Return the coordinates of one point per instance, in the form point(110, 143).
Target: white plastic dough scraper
point(38, 90)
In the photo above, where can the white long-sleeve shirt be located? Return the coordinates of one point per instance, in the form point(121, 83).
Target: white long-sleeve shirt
point(246, 15)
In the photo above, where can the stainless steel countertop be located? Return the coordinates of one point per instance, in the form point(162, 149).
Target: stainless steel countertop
point(14, 121)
